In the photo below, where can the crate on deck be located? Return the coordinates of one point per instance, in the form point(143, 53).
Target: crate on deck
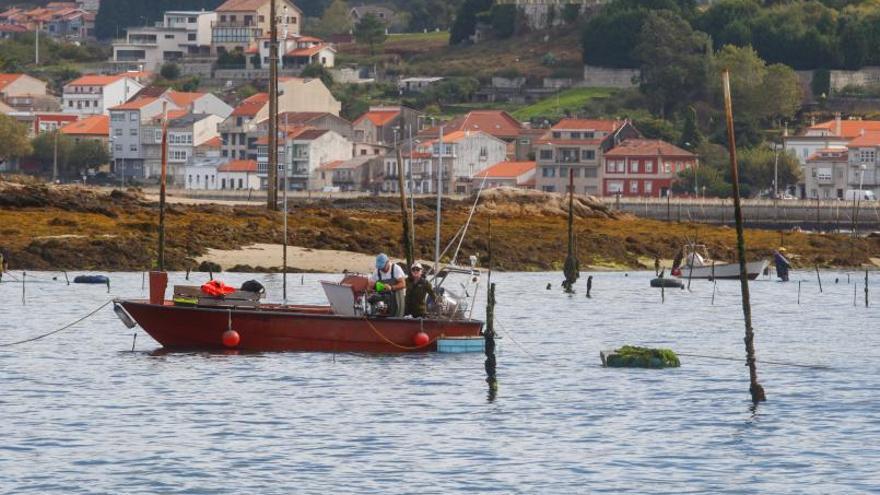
point(192, 295)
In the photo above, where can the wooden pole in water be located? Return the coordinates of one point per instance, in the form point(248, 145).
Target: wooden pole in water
point(819, 278)
point(163, 176)
point(755, 388)
point(407, 237)
point(714, 286)
point(272, 185)
point(489, 336)
point(799, 291)
point(855, 293)
point(572, 268)
point(66, 279)
point(23, 279)
point(866, 288)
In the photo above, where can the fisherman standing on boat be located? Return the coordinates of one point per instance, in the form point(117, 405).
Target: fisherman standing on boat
point(389, 277)
point(417, 291)
point(782, 264)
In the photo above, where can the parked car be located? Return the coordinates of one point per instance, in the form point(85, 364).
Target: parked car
point(857, 194)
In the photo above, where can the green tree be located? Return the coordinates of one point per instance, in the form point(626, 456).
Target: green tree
point(674, 61)
point(13, 139)
point(170, 71)
point(571, 12)
point(335, 19)
point(691, 137)
point(318, 71)
point(503, 20)
point(465, 24)
point(608, 38)
point(86, 154)
point(370, 31)
point(44, 149)
point(757, 167)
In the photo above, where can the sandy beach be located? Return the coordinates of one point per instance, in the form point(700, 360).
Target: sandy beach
point(298, 258)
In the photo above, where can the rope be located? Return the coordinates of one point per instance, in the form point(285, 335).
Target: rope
point(510, 334)
point(775, 363)
point(65, 327)
point(404, 347)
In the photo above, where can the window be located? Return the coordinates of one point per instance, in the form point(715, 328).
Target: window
point(546, 154)
point(240, 183)
point(634, 167)
point(667, 167)
point(548, 188)
point(824, 173)
point(117, 131)
point(484, 152)
point(634, 187)
point(589, 135)
point(649, 168)
point(577, 172)
point(620, 166)
point(70, 104)
point(133, 117)
point(191, 36)
point(548, 171)
point(557, 134)
point(615, 186)
point(588, 154)
point(169, 36)
point(132, 132)
point(649, 186)
point(575, 135)
point(133, 147)
point(222, 183)
point(609, 166)
point(591, 172)
point(119, 148)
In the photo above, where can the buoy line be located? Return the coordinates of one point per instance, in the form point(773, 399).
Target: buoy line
point(65, 327)
point(510, 334)
point(775, 363)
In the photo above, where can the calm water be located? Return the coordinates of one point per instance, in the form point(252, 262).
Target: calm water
point(81, 414)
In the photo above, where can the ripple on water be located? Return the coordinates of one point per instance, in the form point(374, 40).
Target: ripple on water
point(82, 415)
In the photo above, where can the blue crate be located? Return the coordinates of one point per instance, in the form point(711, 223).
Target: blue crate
point(456, 345)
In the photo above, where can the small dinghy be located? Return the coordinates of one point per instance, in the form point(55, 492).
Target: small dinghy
point(92, 279)
point(669, 283)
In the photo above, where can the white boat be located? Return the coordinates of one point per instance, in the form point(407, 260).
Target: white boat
point(699, 265)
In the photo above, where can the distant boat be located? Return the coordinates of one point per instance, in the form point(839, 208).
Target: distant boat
point(698, 265)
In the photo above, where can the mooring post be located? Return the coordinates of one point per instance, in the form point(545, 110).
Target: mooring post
point(819, 278)
point(210, 275)
point(662, 287)
point(799, 291)
point(108, 285)
point(668, 208)
point(755, 388)
point(66, 279)
point(589, 286)
point(489, 336)
point(23, 279)
point(855, 293)
point(714, 286)
point(866, 288)
point(187, 273)
point(143, 280)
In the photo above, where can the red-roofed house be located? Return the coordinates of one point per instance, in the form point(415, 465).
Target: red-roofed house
point(578, 145)
point(826, 173)
point(520, 175)
point(95, 128)
point(238, 174)
point(644, 168)
point(296, 51)
point(863, 167)
point(96, 94)
point(379, 124)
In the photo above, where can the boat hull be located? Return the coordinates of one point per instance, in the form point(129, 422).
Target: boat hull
point(305, 328)
point(724, 271)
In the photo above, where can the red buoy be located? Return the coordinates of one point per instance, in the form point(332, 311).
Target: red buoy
point(231, 338)
point(421, 339)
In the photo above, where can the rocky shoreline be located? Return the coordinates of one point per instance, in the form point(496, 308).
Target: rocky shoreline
point(75, 228)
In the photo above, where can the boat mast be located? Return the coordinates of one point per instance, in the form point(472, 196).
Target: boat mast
point(407, 244)
point(284, 202)
point(164, 154)
point(439, 201)
point(272, 186)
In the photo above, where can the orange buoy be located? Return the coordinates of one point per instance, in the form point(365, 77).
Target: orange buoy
point(421, 339)
point(231, 338)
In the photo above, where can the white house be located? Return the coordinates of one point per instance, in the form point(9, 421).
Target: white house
point(464, 153)
point(94, 94)
point(204, 103)
point(238, 175)
point(185, 135)
point(303, 151)
point(180, 34)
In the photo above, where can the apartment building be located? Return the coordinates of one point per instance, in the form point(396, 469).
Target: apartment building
point(303, 151)
point(135, 137)
point(578, 145)
point(180, 34)
point(241, 23)
point(644, 168)
point(185, 135)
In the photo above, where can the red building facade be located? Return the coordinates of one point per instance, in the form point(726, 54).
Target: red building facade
point(644, 168)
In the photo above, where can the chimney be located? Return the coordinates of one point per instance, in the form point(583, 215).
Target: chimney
point(837, 125)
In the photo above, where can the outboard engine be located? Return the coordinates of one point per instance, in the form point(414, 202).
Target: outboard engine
point(253, 286)
point(382, 304)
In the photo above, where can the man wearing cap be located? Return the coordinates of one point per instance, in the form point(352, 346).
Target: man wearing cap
point(389, 277)
point(782, 264)
point(417, 291)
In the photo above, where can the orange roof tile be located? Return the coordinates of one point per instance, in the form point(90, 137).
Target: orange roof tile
point(238, 166)
point(135, 104)
point(251, 106)
point(6, 79)
point(214, 142)
point(849, 129)
point(647, 147)
point(495, 122)
point(379, 117)
point(306, 52)
point(95, 80)
point(867, 139)
point(183, 99)
point(331, 165)
point(588, 125)
point(292, 132)
point(96, 125)
point(506, 170)
point(241, 5)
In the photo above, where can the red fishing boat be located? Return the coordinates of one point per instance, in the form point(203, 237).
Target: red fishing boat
point(349, 324)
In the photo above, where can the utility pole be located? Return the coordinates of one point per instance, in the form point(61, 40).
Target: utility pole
point(55, 159)
point(37, 44)
point(272, 186)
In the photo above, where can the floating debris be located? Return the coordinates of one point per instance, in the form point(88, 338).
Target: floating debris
point(630, 356)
